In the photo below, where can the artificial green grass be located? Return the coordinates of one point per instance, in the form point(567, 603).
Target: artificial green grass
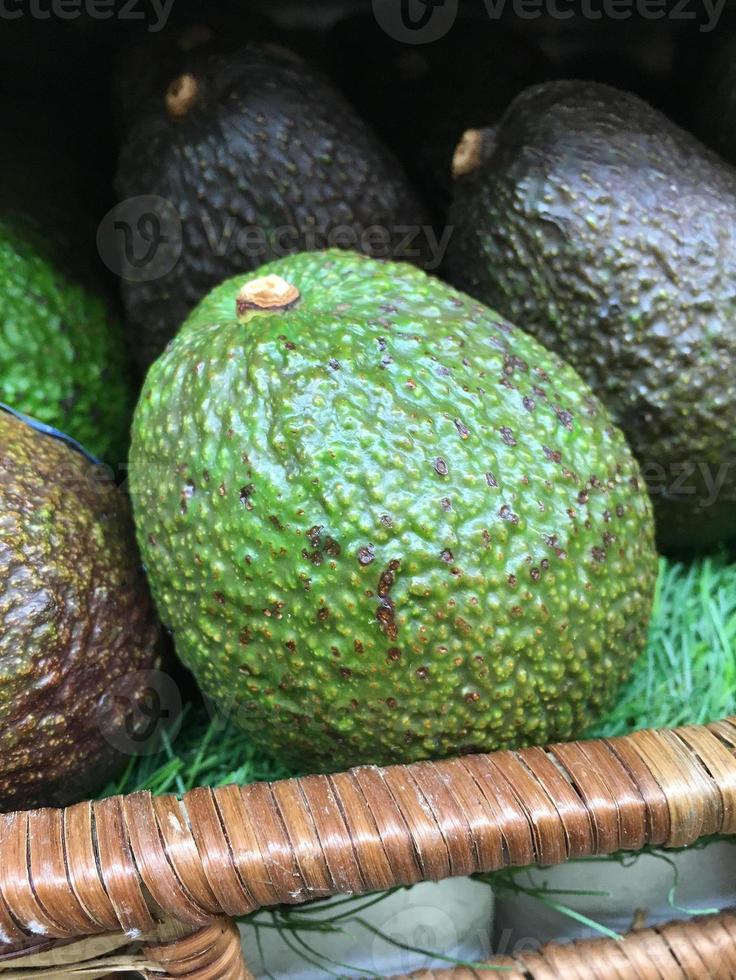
point(206, 752)
point(686, 676)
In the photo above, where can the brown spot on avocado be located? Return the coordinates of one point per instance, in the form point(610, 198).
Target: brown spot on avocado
point(440, 466)
point(565, 417)
point(385, 612)
point(331, 547)
point(314, 556)
point(387, 579)
point(366, 555)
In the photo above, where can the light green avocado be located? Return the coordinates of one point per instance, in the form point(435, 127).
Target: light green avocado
point(62, 356)
point(384, 524)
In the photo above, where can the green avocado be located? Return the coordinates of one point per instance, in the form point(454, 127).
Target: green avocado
point(62, 356)
point(384, 524)
point(243, 156)
point(608, 232)
point(78, 631)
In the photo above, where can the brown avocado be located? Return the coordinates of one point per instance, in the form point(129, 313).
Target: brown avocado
point(78, 632)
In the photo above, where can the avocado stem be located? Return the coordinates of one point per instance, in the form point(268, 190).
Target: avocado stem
point(266, 293)
point(472, 150)
point(181, 95)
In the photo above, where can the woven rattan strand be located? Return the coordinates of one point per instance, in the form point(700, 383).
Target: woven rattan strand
point(701, 949)
point(127, 864)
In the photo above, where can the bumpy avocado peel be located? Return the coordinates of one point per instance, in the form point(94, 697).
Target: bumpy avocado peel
point(78, 630)
point(384, 524)
point(608, 232)
point(62, 355)
point(260, 156)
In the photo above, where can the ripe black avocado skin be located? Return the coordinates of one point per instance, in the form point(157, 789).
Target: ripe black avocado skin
point(260, 157)
point(382, 523)
point(608, 232)
point(77, 625)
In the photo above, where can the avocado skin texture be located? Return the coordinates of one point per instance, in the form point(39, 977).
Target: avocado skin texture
point(270, 160)
point(62, 355)
point(608, 232)
point(76, 620)
point(384, 524)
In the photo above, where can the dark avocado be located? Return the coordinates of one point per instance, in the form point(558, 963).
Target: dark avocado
point(608, 232)
point(256, 156)
point(78, 631)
